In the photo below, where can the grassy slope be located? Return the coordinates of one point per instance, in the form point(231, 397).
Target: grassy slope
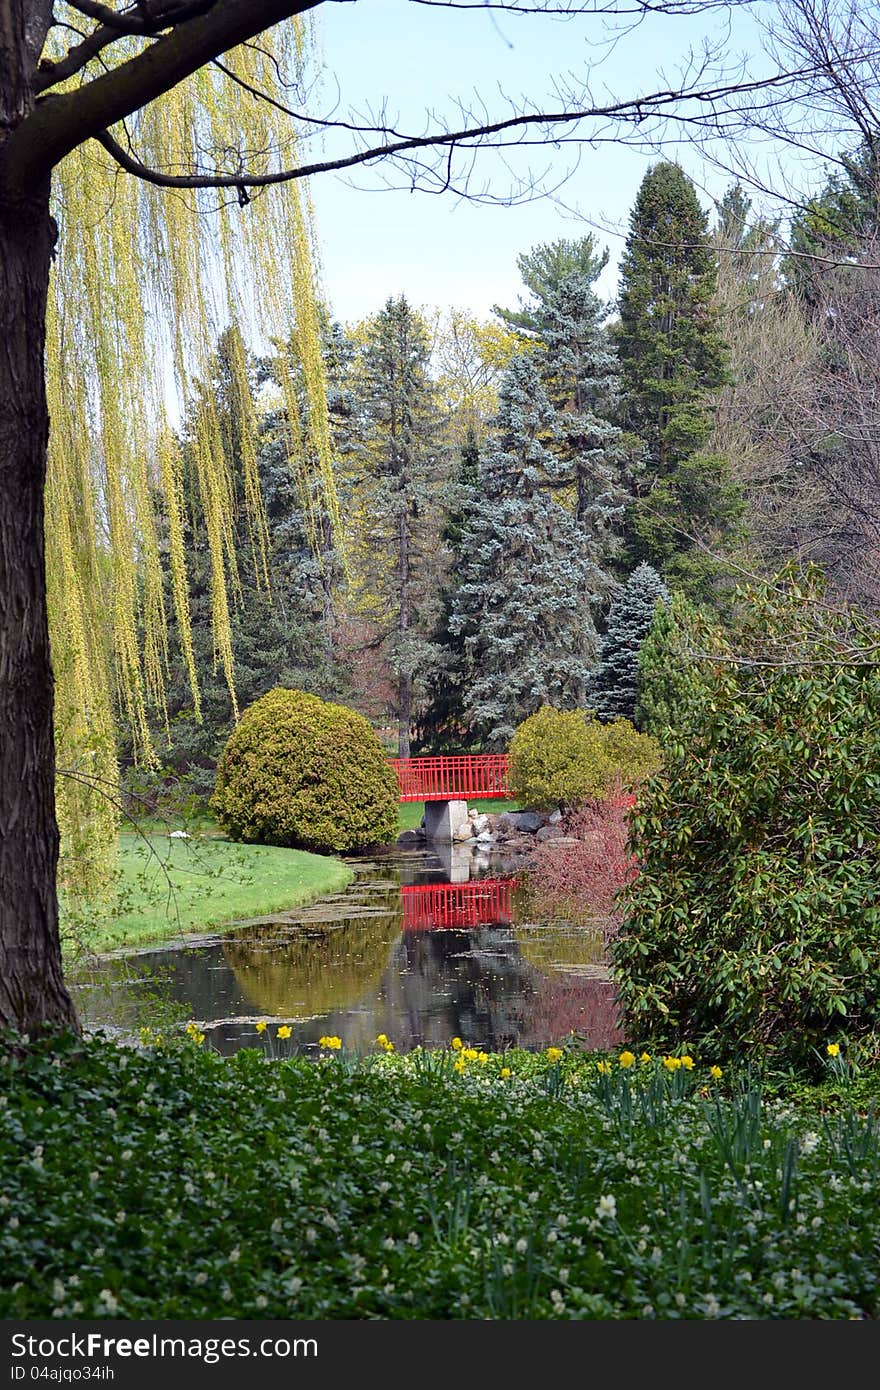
point(167, 886)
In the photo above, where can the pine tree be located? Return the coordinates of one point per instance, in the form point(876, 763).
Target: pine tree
point(441, 725)
point(580, 372)
point(543, 270)
point(673, 359)
point(523, 608)
point(614, 686)
point(401, 454)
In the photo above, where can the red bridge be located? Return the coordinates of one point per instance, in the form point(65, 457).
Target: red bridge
point(452, 778)
point(479, 902)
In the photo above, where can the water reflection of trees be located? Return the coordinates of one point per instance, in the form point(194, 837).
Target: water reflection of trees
point(318, 969)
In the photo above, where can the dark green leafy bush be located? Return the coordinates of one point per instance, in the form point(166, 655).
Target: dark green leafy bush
point(753, 925)
point(302, 772)
point(564, 758)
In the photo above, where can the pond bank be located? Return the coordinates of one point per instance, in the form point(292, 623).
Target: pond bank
point(170, 886)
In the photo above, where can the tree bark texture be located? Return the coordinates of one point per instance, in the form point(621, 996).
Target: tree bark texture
point(32, 991)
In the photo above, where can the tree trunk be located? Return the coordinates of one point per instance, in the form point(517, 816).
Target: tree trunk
point(32, 991)
point(404, 683)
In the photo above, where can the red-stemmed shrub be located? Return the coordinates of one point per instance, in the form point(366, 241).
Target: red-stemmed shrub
point(579, 877)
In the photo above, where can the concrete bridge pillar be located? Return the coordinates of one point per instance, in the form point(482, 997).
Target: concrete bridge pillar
point(444, 818)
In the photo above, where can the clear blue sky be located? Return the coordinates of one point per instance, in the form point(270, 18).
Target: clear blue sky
point(439, 250)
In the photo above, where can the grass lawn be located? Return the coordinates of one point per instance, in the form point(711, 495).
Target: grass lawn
point(166, 887)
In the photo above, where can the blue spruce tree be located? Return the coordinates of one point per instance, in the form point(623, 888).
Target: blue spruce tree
point(614, 687)
point(528, 582)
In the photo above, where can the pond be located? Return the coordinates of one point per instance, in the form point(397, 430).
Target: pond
point(423, 945)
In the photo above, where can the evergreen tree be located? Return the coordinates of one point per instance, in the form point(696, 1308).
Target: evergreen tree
point(581, 376)
point(673, 358)
point(401, 453)
point(614, 685)
point(543, 271)
point(523, 608)
point(441, 725)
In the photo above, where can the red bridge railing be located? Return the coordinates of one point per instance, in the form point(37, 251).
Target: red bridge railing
point(480, 902)
point(452, 778)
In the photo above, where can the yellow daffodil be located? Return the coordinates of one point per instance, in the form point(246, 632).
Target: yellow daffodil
point(284, 1031)
point(672, 1063)
point(470, 1054)
point(384, 1042)
point(505, 1072)
point(554, 1054)
point(331, 1042)
point(262, 1026)
point(603, 1067)
point(459, 1064)
point(626, 1059)
point(833, 1049)
point(715, 1073)
point(687, 1062)
point(456, 1044)
point(645, 1057)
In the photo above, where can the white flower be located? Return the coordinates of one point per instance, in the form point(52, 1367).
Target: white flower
point(388, 1243)
point(521, 1246)
point(125, 1155)
point(201, 1277)
point(276, 1224)
point(809, 1142)
point(412, 1238)
point(711, 1306)
point(607, 1206)
point(261, 1300)
point(507, 1269)
point(109, 1300)
point(234, 1255)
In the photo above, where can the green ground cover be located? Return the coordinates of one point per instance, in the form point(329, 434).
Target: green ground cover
point(165, 887)
point(167, 1182)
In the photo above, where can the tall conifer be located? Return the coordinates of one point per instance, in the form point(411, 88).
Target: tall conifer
point(614, 685)
point(673, 359)
point(528, 583)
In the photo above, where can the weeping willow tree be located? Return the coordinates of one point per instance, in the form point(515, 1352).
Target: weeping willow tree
point(144, 275)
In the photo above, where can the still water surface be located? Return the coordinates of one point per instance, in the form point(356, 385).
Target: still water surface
point(423, 945)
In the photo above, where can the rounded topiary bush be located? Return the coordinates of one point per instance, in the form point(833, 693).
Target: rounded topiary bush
point(566, 757)
point(301, 772)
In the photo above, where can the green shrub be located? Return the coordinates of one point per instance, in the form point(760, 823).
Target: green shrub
point(562, 758)
point(301, 772)
point(754, 923)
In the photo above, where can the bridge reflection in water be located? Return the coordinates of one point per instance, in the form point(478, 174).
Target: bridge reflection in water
point(454, 906)
point(412, 948)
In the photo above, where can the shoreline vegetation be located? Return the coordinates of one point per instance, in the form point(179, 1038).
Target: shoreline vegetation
point(171, 884)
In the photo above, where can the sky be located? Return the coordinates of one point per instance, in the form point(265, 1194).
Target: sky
point(444, 251)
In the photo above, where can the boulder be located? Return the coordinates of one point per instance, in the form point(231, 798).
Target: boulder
point(526, 821)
